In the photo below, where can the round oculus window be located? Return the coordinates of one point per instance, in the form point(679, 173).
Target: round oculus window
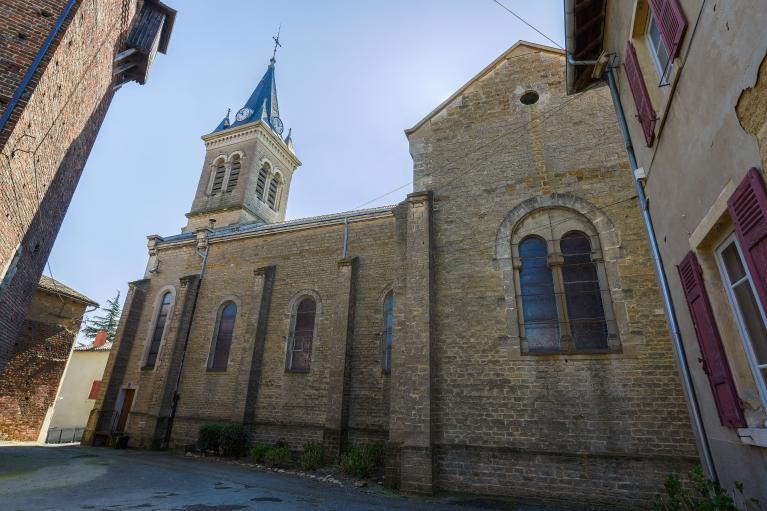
point(529, 98)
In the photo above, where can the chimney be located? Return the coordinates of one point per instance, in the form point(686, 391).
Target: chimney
point(101, 339)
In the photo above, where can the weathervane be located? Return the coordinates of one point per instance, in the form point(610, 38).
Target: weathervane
point(276, 42)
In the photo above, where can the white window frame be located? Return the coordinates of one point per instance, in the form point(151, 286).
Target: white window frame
point(663, 74)
point(728, 286)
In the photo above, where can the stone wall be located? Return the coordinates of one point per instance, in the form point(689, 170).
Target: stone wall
point(47, 142)
point(31, 377)
point(577, 426)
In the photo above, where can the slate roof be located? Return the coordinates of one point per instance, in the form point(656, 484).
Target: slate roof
point(55, 287)
point(312, 221)
point(263, 101)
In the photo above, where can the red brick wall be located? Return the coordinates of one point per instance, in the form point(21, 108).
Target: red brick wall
point(43, 151)
point(31, 376)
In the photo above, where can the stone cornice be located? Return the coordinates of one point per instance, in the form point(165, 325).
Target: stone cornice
point(264, 134)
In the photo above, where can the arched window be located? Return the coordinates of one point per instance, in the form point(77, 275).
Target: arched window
point(583, 295)
point(234, 173)
point(539, 304)
point(159, 329)
point(302, 336)
point(388, 332)
point(274, 187)
point(219, 357)
point(263, 175)
point(218, 177)
point(560, 287)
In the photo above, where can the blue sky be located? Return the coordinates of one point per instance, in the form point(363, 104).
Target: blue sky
point(351, 76)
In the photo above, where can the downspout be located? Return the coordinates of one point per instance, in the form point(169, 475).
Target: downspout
point(35, 65)
point(174, 403)
point(681, 357)
point(346, 236)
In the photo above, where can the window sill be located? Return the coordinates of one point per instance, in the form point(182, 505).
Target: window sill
point(298, 371)
point(573, 355)
point(147, 369)
point(215, 371)
point(753, 436)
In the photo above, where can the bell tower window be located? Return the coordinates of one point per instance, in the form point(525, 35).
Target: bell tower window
point(218, 177)
point(234, 173)
point(263, 175)
point(274, 188)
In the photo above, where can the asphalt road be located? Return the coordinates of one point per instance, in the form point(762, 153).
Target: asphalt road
point(34, 477)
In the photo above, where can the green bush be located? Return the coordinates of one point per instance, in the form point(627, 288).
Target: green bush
point(209, 438)
point(312, 456)
point(258, 451)
point(234, 439)
point(362, 460)
point(278, 457)
point(701, 494)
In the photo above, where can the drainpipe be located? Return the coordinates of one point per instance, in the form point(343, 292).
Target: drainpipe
point(35, 64)
point(346, 236)
point(681, 358)
point(201, 239)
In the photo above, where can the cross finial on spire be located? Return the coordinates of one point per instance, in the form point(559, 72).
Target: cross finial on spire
point(276, 44)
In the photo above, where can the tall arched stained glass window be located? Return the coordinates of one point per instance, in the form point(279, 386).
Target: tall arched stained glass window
point(539, 305)
point(159, 329)
point(219, 358)
point(585, 310)
point(388, 333)
point(302, 336)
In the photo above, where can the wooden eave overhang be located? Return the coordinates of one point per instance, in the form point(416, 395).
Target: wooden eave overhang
point(584, 34)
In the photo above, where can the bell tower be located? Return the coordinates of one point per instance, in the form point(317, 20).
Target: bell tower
point(248, 164)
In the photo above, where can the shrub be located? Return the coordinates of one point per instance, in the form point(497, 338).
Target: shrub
point(278, 457)
point(258, 451)
point(362, 460)
point(234, 439)
point(209, 438)
point(312, 456)
point(701, 494)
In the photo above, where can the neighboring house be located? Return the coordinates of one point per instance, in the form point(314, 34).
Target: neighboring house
point(501, 329)
point(692, 78)
point(60, 64)
point(31, 378)
point(77, 393)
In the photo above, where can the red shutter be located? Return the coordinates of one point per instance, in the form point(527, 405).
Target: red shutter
point(642, 101)
point(748, 209)
point(672, 23)
point(714, 359)
point(95, 389)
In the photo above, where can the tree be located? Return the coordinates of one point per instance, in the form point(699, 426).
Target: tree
point(106, 322)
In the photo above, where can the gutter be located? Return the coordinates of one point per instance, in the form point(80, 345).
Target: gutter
point(35, 65)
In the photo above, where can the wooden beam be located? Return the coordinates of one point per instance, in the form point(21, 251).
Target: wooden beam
point(589, 25)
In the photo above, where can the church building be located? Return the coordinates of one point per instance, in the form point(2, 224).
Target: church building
point(500, 329)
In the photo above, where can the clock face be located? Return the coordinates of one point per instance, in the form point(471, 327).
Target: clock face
point(243, 114)
point(277, 125)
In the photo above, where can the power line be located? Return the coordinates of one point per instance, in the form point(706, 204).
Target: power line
point(506, 132)
point(520, 18)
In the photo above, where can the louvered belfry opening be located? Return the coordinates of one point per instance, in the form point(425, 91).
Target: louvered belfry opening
point(234, 173)
point(218, 178)
point(263, 175)
point(274, 186)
